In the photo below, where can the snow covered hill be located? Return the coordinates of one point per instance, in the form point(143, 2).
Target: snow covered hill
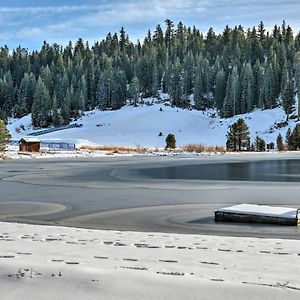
point(140, 126)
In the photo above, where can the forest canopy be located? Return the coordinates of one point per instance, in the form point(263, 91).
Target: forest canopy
point(235, 72)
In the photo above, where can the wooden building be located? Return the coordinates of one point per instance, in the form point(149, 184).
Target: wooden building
point(251, 213)
point(29, 144)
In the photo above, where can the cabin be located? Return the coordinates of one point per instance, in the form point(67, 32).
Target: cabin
point(29, 144)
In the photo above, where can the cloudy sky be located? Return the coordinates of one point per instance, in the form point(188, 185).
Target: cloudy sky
point(29, 22)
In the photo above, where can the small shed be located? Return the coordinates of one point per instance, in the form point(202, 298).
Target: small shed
point(29, 144)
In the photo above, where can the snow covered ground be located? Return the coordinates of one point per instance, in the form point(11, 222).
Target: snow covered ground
point(43, 262)
point(140, 126)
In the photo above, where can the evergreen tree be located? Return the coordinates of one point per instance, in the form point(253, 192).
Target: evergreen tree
point(260, 144)
point(103, 92)
point(288, 139)
point(56, 114)
point(134, 91)
point(238, 136)
point(247, 91)
point(231, 102)
point(234, 71)
point(297, 77)
point(41, 114)
point(288, 98)
point(170, 141)
point(269, 84)
point(199, 91)
point(176, 88)
point(220, 89)
point(279, 142)
point(293, 138)
point(4, 136)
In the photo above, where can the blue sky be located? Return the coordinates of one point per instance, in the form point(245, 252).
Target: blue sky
point(29, 22)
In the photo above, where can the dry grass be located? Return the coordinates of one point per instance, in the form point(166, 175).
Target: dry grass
point(115, 149)
point(199, 148)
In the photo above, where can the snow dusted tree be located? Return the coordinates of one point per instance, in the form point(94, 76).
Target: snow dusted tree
point(199, 90)
point(268, 88)
point(288, 99)
point(41, 108)
point(103, 91)
point(247, 92)
point(231, 102)
point(220, 89)
point(56, 113)
point(177, 82)
point(134, 91)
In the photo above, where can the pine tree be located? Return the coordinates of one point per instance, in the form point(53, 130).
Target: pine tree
point(288, 139)
point(220, 89)
point(297, 77)
point(258, 100)
point(198, 91)
point(260, 144)
point(134, 90)
point(288, 98)
point(56, 114)
point(41, 108)
point(269, 83)
point(247, 91)
point(279, 142)
point(103, 92)
point(176, 88)
point(66, 108)
point(170, 141)
point(4, 136)
point(238, 136)
point(293, 138)
point(231, 102)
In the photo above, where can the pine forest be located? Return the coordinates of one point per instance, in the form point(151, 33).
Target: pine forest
point(234, 72)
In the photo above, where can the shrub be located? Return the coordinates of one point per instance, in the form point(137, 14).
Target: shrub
point(199, 148)
point(170, 141)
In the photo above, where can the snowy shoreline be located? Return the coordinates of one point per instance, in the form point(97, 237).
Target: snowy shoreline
point(49, 262)
point(148, 126)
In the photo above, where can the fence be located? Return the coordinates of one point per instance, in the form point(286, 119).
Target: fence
point(58, 146)
point(53, 129)
point(50, 146)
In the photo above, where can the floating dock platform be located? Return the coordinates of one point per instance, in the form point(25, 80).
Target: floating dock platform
point(262, 214)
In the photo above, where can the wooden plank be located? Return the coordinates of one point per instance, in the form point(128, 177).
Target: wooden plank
point(221, 216)
point(262, 214)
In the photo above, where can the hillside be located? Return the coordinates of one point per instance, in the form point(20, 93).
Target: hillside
point(140, 126)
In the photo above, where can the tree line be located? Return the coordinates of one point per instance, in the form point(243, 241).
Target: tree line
point(238, 139)
point(235, 72)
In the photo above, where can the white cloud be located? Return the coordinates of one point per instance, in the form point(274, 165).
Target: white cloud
point(64, 22)
point(48, 9)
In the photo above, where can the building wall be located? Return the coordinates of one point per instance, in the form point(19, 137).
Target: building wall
point(29, 147)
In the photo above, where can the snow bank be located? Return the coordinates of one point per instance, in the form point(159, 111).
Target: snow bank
point(43, 262)
point(141, 126)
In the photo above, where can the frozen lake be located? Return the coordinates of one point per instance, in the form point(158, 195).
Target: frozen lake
point(163, 194)
point(270, 170)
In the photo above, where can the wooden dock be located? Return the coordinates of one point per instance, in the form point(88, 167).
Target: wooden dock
point(261, 214)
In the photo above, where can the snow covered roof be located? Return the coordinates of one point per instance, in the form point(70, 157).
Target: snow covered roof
point(262, 210)
point(30, 140)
